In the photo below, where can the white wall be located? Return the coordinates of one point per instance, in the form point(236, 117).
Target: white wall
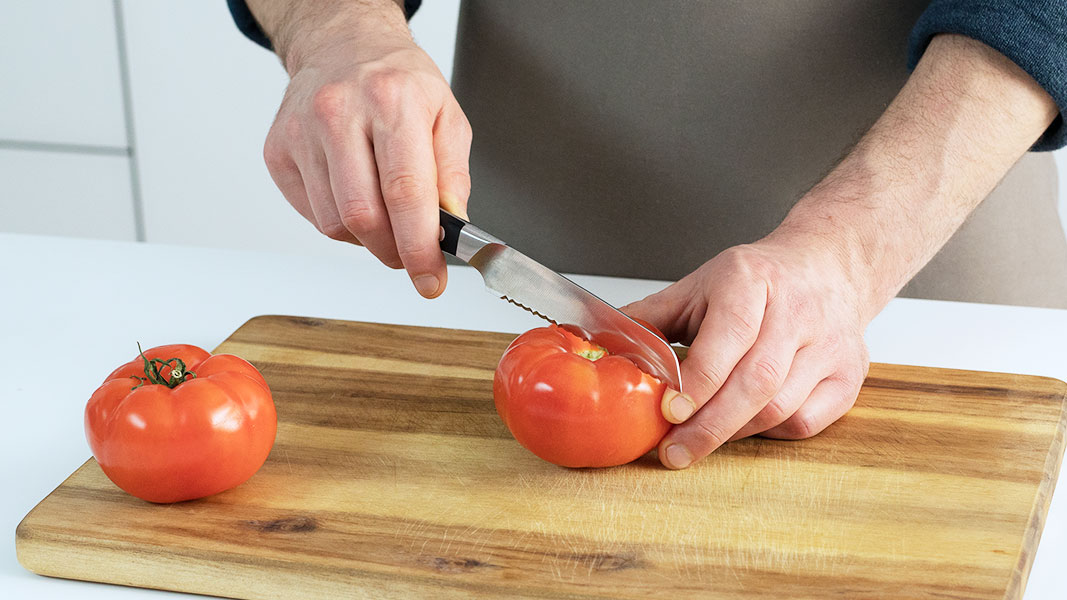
point(170, 153)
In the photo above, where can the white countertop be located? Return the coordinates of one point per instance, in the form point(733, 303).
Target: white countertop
point(73, 309)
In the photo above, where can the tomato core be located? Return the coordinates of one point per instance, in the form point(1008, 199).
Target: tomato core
point(593, 354)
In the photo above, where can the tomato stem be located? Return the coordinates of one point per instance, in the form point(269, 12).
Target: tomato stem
point(593, 354)
point(177, 374)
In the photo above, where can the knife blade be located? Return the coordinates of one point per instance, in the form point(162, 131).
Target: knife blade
point(528, 284)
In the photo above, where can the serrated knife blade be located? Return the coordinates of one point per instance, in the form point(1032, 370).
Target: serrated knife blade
point(519, 279)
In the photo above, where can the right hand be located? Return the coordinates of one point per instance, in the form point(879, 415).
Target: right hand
point(369, 141)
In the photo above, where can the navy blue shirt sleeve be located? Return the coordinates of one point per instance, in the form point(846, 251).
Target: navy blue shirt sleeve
point(1032, 33)
point(248, 25)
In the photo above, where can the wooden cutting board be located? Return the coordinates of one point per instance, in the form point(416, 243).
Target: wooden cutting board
point(392, 477)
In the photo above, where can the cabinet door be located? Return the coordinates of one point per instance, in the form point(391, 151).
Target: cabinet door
point(203, 99)
point(60, 193)
point(59, 68)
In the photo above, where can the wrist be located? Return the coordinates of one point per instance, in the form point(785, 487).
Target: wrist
point(857, 264)
point(310, 30)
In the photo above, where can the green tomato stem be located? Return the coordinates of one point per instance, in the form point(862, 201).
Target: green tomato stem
point(154, 375)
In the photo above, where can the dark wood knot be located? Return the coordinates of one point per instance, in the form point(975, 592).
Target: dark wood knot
point(457, 565)
point(602, 561)
point(285, 525)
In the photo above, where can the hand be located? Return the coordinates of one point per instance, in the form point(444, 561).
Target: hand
point(775, 331)
point(369, 141)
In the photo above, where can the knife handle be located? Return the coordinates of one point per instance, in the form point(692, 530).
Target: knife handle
point(451, 226)
point(461, 239)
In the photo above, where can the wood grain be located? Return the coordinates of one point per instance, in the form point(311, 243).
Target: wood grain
point(392, 477)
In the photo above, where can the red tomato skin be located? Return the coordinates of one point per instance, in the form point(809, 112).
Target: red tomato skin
point(204, 436)
point(572, 411)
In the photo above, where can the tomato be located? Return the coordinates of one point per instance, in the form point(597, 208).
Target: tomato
point(572, 403)
point(178, 423)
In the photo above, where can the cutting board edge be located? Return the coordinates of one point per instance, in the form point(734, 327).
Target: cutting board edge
point(1042, 501)
point(290, 318)
point(25, 534)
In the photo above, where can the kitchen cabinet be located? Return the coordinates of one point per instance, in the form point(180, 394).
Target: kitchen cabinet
point(59, 64)
point(61, 193)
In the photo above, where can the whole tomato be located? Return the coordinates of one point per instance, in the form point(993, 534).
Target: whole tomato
point(572, 403)
point(178, 423)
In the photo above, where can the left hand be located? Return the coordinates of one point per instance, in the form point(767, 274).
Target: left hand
point(775, 330)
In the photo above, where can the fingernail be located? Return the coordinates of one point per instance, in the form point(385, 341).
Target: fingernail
point(681, 407)
point(427, 285)
point(450, 202)
point(678, 456)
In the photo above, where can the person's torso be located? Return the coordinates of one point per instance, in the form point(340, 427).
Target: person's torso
point(625, 137)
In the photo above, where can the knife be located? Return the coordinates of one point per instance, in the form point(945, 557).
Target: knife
point(528, 284)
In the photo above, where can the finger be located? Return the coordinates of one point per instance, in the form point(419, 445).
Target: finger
point(408, 177)
point(755, 380)
point(320, 196)
point(665, 310)
point(354, 182)
point(727, 332)
point(452, 149)
point(828, 402)
point(808, 369)
point(286, 175)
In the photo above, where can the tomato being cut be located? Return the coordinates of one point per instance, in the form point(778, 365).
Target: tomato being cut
point(572, 403)
point(178, 423)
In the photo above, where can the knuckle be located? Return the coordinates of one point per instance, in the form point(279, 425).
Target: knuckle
point(411, 250)
point(357, 217)
point(386, 88)
point(802, 425)
point(404, 191)
point(743, 324)
point(854, 367)
point(461, 128)
point(711, 434)
point(832, 343)
point(741, 260)
point(708, 377)
point(328, 102)
point(764, 377)
point(291, 128)
point(335, 231)
point(458, 180)
point(275, 155)
point(777, 411)
point(852, 379)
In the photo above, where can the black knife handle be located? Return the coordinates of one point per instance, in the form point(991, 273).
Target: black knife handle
point(451, 225)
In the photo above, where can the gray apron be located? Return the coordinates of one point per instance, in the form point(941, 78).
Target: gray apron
point(639, 139)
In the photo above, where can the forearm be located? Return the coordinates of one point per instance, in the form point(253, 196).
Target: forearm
point(963, 119)
point(296, 27)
